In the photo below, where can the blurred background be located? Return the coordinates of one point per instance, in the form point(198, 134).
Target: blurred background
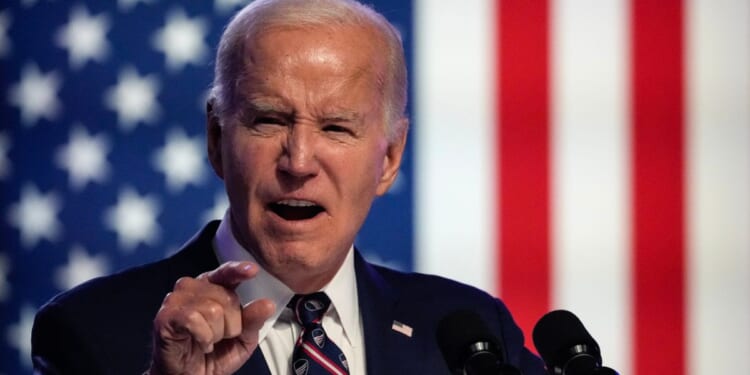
point(580, 154)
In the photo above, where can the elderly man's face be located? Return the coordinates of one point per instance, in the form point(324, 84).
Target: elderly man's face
point(309, 151)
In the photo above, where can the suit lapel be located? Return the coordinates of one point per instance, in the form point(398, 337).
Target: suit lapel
point(377, 301)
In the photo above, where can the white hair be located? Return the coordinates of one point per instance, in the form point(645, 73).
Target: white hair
point(263, 15)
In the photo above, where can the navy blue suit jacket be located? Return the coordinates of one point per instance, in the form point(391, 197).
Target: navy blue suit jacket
point(104, 326)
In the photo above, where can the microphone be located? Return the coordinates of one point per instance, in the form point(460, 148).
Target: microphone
point(566, 347)
point(469, 348)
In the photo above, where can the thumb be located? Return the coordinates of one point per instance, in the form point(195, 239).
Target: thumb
point(254, 314)
point(230, 354)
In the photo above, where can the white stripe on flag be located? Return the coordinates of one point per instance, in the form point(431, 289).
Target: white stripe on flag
point(718, 58)
point(590, 183)
point(454, 136)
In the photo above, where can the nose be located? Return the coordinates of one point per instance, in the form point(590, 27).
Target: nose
point(298, 158)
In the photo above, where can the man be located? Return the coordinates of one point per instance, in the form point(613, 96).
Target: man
point(306, 127)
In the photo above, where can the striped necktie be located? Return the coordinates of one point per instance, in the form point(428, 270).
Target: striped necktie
point(314, 353)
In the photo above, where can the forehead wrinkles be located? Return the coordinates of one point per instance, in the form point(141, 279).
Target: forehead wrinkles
point(323, 94)
point(326, 67)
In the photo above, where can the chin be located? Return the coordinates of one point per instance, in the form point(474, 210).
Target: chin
point(296, 254)
point(311, 258)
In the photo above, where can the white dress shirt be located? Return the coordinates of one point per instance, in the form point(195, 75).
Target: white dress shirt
point(342, 322)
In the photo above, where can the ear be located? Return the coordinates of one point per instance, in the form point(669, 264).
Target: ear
point(392, 159)
point(213, 139)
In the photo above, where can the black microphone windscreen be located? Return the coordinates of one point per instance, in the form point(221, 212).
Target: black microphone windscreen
point(458, 331)
point(557, 332)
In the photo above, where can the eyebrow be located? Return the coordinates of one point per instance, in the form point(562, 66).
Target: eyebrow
point(341, 116)
point(277, 106)
point(267, 105)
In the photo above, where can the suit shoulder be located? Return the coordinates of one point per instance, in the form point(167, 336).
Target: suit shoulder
point(416, 279)
point(89, 314)
point(421, 286)
point(118, 286)
point(117, 310)
point(157, 278)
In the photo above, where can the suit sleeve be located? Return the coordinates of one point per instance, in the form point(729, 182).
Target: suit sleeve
point(58, 346)
point(518, 353)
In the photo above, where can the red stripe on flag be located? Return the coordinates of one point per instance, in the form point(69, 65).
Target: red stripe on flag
point(523, 160)
point(658, 183)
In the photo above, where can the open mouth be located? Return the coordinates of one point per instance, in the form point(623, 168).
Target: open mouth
point(296, 209)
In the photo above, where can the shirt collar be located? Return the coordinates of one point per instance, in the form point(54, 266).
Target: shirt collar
point(342, 290)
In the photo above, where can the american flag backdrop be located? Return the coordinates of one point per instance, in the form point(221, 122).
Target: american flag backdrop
point(592, 155)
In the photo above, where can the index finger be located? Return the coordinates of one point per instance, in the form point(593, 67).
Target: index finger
point(231, 274)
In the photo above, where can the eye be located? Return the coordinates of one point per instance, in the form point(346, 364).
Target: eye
point(335, 128)
point(268, 120)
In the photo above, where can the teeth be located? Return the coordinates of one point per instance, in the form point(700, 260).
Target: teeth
point(296, 203)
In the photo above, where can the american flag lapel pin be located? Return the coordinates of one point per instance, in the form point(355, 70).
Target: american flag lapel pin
point(402, 328)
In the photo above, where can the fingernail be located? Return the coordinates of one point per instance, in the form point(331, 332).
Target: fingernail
point(247, 267)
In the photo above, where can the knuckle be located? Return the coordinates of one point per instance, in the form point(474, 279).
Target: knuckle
point(214, 311)
point(190, 315)
point(168, 299)
point(183, 283)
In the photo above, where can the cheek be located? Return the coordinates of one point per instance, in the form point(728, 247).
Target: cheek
point(243, 153)
point(238, 166)
point(366, 168)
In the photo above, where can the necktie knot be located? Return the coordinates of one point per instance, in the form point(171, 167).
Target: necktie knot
point(310, 308)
